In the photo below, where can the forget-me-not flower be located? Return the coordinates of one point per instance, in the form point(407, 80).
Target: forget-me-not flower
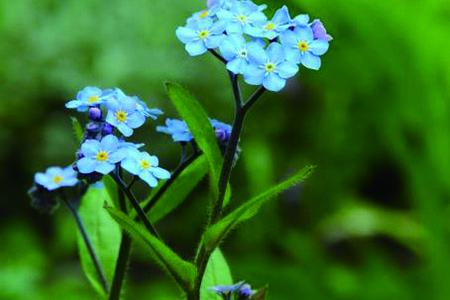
point(269, 67)
point(88, 97)
point(124, 115)
point(178, 129)
point(319, 31)
point(145, 166)
point(301, 47)
point(56, 177)
point(234, 50)
point(101, 156)
point(200, 36)
point(241, 17)
point(227, 290)
point(272, 29)
point(142, 107)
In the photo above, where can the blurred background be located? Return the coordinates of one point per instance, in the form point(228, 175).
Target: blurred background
point(371, 223)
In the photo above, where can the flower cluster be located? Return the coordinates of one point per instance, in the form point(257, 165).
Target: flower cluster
point(240, 290)
point(265, 51)
point(113, 116)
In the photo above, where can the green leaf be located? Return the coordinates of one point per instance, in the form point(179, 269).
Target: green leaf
point(182, 271)
point(104, 234)
point(180, 189)
point(77, 129)
point(216, 233)
point(197, 120)
point(217, 273)
point(112, 189)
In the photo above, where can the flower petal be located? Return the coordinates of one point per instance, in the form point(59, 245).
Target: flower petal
point(196, 48)
point(319, 47)
point(186, 35)
point(105, 168)
point(148, 178)
point(86, 165)
point(274, 83)
point(287, 70)
point(311, 61)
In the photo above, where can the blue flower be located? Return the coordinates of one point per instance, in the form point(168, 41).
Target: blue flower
point(226, 290)
point(234, 50)
point(222, 130)
point(242, 16)
point(101, 156)
point(245, 291)
point(201, 36)
point(269, 67)
point(56, 177)
point(123, 114)
point(178, 129)
point(272, 29)
point(319, 31)
point(145, 166)
point(142, 107)
point(88, 97)
point(301, 47)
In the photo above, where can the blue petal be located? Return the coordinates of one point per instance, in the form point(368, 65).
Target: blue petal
point(288, 39)
point(196, 48)
point(105, 168)
point(109, 143)
point(234, 28)
point(125, 130)
point(254, 75)
point(257, 54)
point(186, 35)
point(275, 53)
point(319, 47)
point(160, 173)
point(118, 155)
point(86, 165)
point(293, 55)
point(301, 20)
point(74, 104)
point(131, 165)
point(41, 179)
point(282, 16)
point(214, 41)
point(274, 83)
point(90, 147)
point(287, 70)
point(135, 120)
point(111, 119)
point(228, 48)
point(311, 61)
point(304, 34)
point(69, 182)
point(148, 178)
point(237, 66)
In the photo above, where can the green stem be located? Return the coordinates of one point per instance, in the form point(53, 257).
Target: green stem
point(88, 243)
point(124, 255)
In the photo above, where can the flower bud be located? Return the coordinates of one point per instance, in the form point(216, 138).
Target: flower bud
point(92, 128)
point(245, 292)
point(107, 129)
point(95, 114)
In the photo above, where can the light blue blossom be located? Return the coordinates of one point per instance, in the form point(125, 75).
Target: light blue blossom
point(56, 177)
point(319, 31)
point(123, 114)
point(234, 50)
point(301, 47)
point(269, 68)
point(178, 129)
point(227, 290)
point(272, 29)
point(142, 107)
point(301, 20)
point(200, 36)
point(242, 16)
point(86, 98)
point(145, 166)
point(101, 156)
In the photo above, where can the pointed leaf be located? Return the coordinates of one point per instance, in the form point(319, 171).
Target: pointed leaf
point(77, 129)
point(216, 233)
point(104, 234)
point(197, 120)
point(182, 271)
point(217, 273)
point(180, 189)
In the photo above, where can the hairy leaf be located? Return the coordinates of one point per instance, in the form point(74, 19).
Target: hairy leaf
point(104, 234)
point(77, 129)
point(216, 233)
point(182, 271)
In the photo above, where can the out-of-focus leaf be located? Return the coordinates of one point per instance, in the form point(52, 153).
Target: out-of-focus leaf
point(182, 271)
point(197, 120)
point(217, 273)
point(104, 234)
point(112, 189)
point(216, 233)
point(77, 129)
point(180, 189)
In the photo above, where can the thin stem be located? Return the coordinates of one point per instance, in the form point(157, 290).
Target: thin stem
point(88, 243)
point(124, 254)
point(253, 98)
point(136, 206)
point(132, 182)
point(236, 89)
point(218, 56)
point(148, 207)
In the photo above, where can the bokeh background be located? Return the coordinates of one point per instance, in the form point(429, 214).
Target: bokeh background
point(371, 223)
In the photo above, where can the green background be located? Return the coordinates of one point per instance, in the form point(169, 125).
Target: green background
point(371, 223)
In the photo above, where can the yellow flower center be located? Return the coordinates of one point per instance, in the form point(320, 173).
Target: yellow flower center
point(203, 34)
point(242, 19)
point(93, 99)
point(102, 156)
point(145, 164)
point(57, 179)
point(203, 14)
point(270, 67)
point(303, 46)
point(270, 26)
point(121, 116)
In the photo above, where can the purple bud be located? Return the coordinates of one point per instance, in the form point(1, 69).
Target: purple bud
point(92, 128)
point(319, 31)
point(245, 292)
point(222, 135)
point(107, 129)
point(95, 114)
